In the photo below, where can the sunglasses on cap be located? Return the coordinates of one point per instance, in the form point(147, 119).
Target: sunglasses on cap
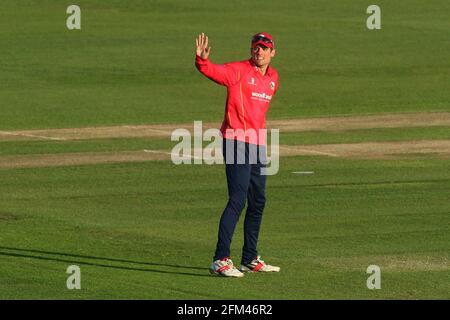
point(261, 38)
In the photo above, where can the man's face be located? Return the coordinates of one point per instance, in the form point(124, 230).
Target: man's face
point(261, 55)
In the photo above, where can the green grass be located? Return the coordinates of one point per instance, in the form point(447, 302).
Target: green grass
point(290, 138)
point(133, 62)
point(148, 231)
point(365, 135)
point(100, 145)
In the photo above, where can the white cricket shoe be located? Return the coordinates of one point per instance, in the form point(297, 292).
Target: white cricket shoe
point(224, 267)
point(258, 265)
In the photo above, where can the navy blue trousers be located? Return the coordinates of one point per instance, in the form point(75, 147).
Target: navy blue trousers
point(245, 184)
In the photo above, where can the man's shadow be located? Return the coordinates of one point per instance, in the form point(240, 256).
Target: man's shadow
point(44, 255)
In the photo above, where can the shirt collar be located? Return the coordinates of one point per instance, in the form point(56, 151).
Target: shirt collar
point(268, 71)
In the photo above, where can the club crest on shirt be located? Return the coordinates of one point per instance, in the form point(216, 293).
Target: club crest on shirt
point(272, 85)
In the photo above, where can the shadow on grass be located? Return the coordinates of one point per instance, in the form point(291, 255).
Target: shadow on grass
point(27, 254)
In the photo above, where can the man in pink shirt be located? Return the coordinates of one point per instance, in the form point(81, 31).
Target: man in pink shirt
point(251, 85)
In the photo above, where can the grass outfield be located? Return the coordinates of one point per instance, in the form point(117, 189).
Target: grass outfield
point(148, 231)
point(133, 61)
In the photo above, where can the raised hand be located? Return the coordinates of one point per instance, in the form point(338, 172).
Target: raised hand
point(201, 46)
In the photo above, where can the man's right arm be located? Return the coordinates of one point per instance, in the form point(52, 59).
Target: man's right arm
point(224, 74)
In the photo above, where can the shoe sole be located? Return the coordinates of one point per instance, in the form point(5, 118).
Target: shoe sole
point(223, 275)
point(260, 271)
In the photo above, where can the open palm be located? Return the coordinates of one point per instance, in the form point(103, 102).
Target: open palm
point(201, 46)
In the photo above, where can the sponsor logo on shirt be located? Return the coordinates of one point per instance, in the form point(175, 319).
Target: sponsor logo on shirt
point(261, 96)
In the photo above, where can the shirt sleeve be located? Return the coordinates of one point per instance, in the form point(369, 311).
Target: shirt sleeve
point(276, 88)
point(224, 74)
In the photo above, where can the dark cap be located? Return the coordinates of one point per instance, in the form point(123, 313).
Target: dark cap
point(264, 39)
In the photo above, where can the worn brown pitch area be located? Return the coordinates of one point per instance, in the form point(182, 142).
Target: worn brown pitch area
point(366, 150)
